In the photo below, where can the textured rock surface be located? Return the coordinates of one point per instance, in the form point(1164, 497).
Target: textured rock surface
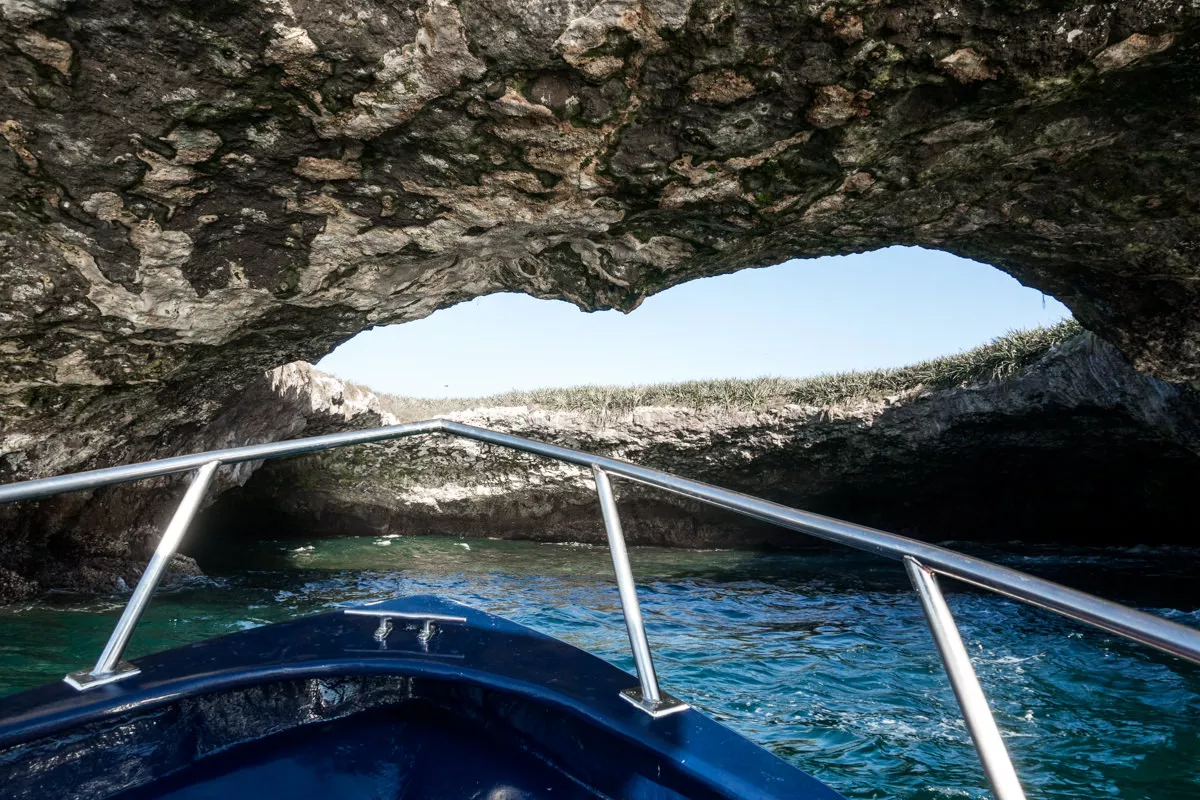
point(192, 193)
point(89, 540)
point(1079, 447)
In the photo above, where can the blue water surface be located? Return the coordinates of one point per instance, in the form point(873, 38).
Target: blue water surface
point(823, 658)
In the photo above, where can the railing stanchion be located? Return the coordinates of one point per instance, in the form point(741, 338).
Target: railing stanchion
point(110, 667)
point(980, 722)
point(647, 696)
point(921, 560)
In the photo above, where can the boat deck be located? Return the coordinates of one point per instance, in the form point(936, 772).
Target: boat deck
point(414, 751)
point(318, 707)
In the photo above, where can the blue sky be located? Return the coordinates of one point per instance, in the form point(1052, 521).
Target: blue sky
point(886, 308)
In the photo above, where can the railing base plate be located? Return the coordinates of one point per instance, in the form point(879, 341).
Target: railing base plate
point(666, 705)
point(84, 679)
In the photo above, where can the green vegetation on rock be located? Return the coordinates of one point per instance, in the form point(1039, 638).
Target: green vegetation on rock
point(995, 361)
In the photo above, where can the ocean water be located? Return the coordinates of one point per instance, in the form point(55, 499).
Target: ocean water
point(821, 657)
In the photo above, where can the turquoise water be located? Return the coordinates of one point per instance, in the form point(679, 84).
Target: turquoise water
point(822, 658)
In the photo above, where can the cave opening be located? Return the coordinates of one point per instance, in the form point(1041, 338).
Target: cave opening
point(1077, 448)
point(886, 308)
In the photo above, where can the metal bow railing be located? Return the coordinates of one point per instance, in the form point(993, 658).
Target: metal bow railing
point(923, 562)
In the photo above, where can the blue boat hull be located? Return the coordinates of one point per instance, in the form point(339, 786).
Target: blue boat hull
point(317, 708)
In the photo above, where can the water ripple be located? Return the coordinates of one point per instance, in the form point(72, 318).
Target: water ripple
point(824, 659)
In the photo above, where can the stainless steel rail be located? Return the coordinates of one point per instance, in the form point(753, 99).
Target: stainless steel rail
point(96, 478)
point(110, 667)
point(647, 695)
point(922, 561)
point(980, 722)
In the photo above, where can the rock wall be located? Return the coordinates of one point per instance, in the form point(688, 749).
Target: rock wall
point(1079, 447)
point(87, 540)
point(192, 193)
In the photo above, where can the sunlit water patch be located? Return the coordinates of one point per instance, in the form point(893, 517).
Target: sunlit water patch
point(822, 658)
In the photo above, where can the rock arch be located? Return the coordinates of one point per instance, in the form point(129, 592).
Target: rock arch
point(193, 193)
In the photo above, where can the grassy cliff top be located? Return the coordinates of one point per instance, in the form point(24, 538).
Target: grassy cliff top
point(995, 361)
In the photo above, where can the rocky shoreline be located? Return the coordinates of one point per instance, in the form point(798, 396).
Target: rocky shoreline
point(1070, 449)
point(1077, 446)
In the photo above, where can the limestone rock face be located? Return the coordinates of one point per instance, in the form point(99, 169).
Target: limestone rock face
point(1079, 447)
point(193, 193)
point(88, 540)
